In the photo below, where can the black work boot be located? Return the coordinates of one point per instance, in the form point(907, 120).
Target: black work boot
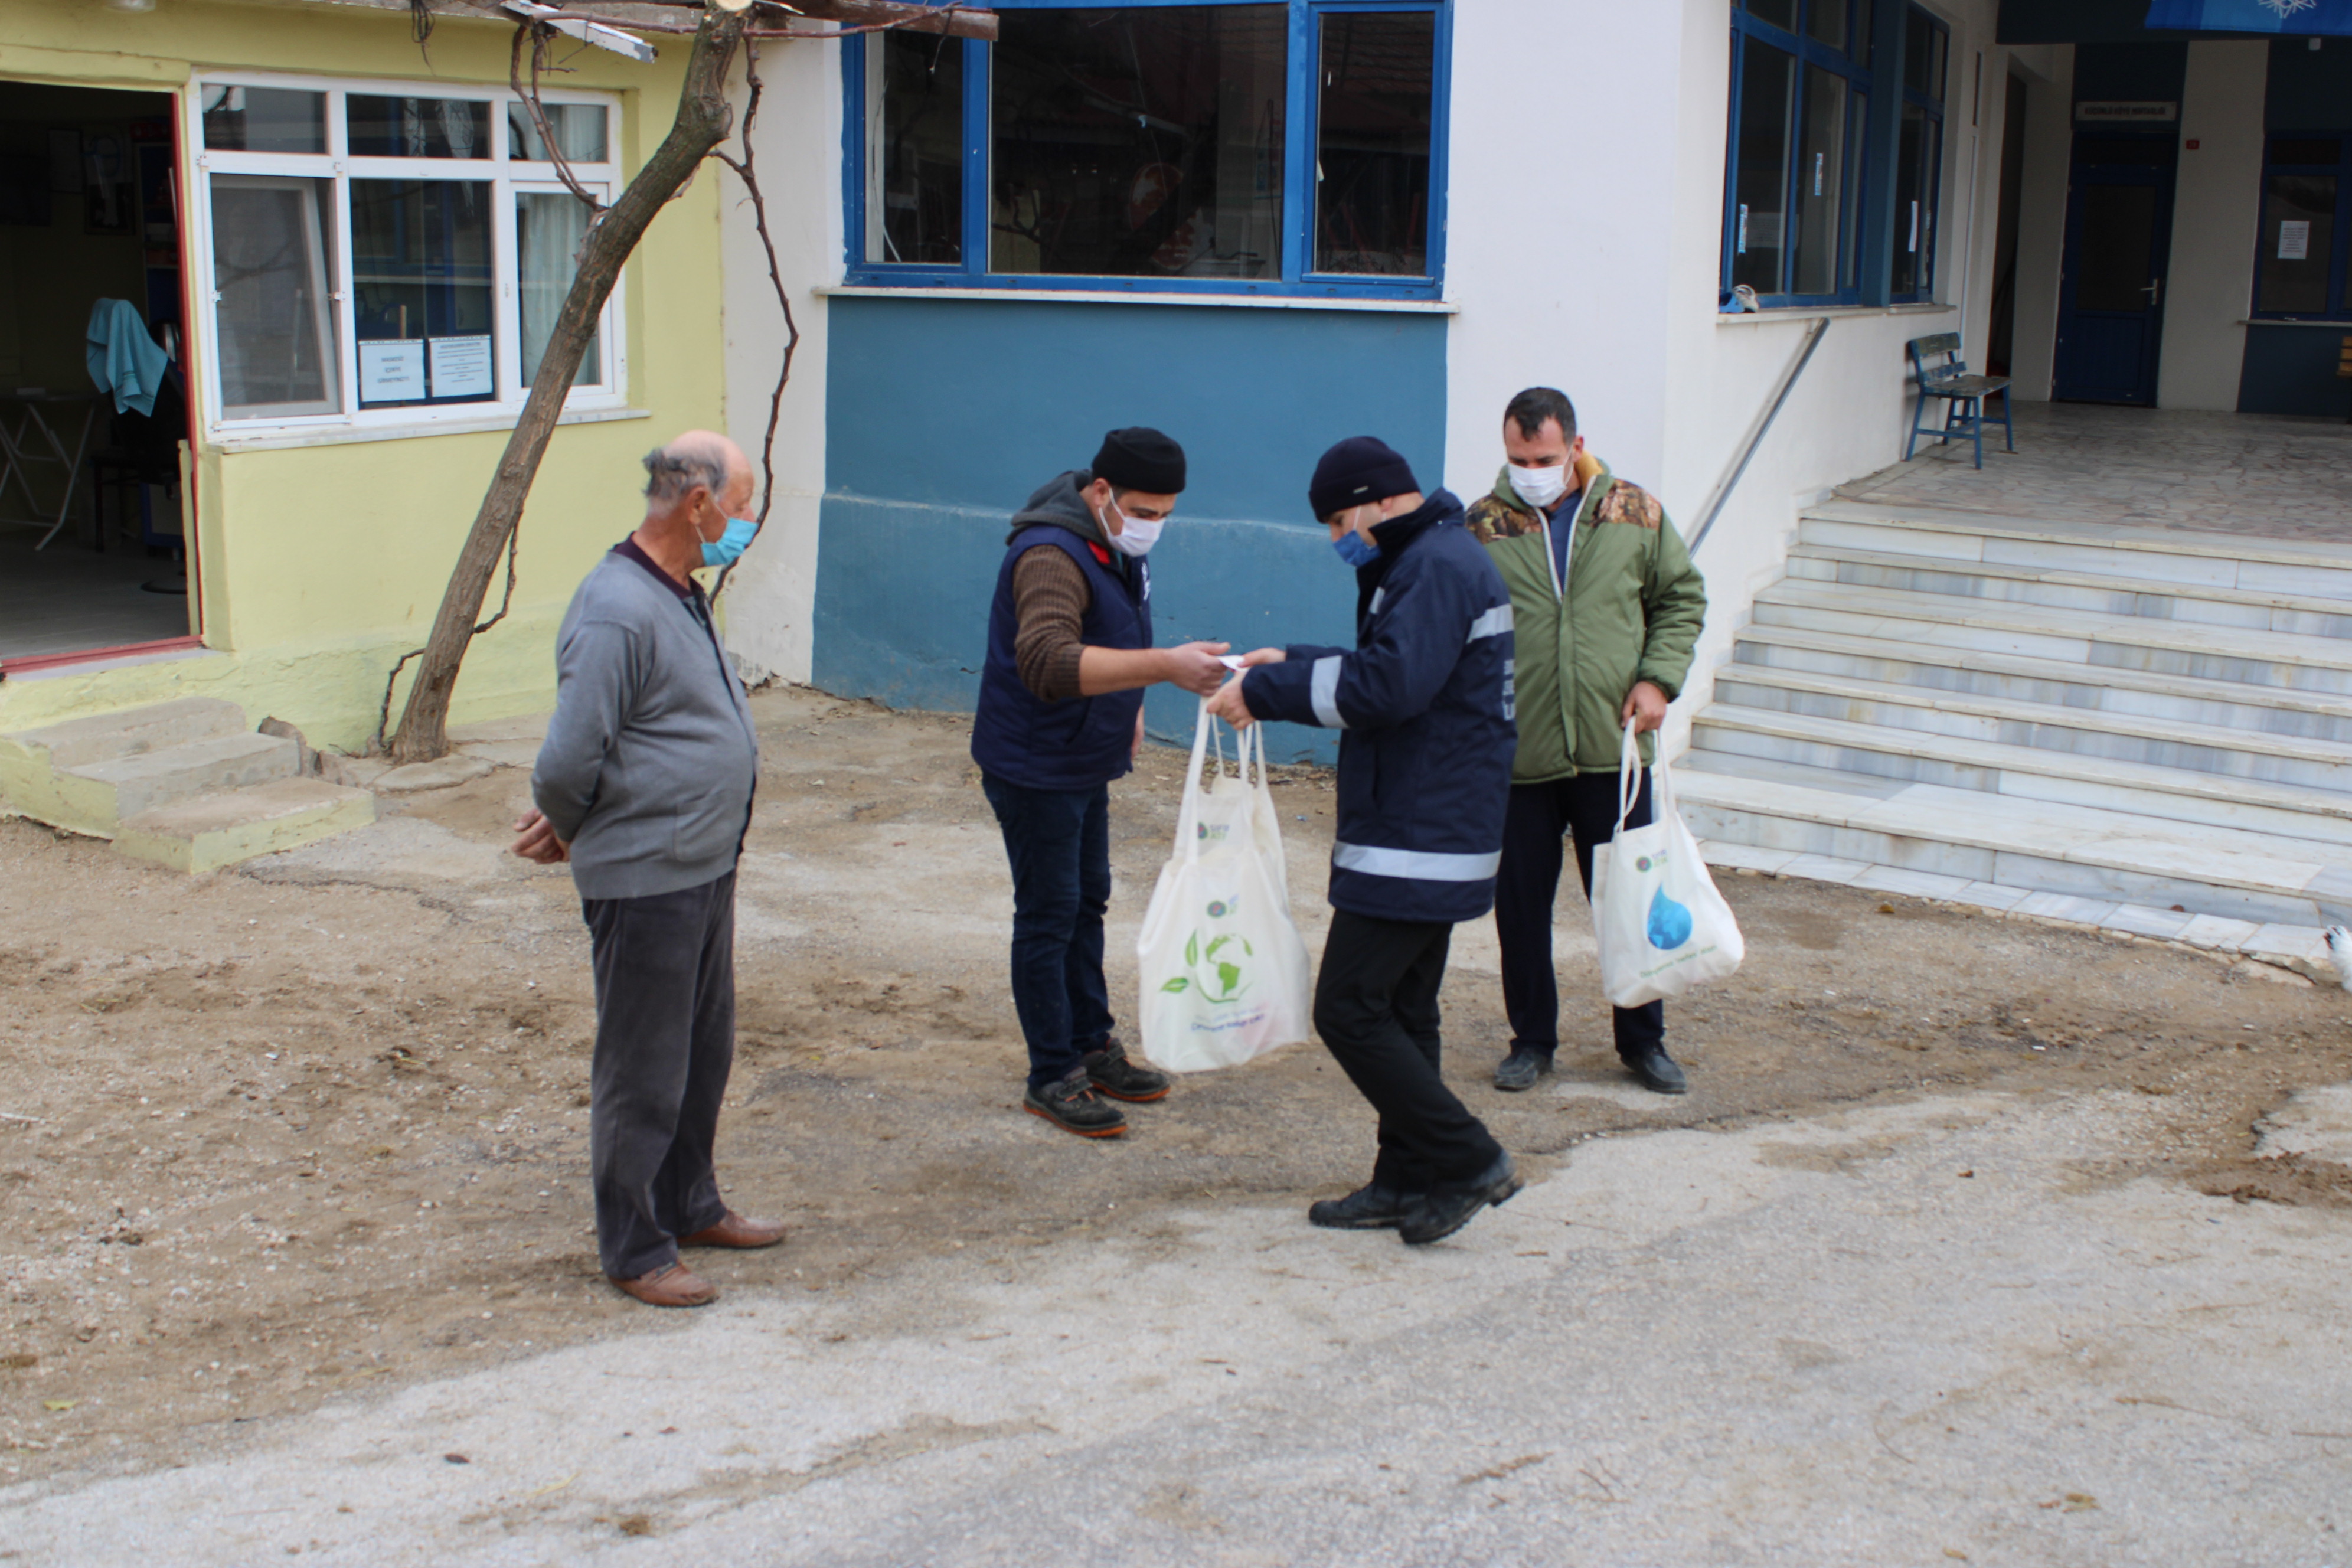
point(1112, 1072)
point(1370, 1207)
point(1071, 1104)
point(1439, 1213)
point(1521, 1068)
point(1658, 1072)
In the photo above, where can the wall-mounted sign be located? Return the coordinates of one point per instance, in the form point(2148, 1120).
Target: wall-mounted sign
point(2127, 112)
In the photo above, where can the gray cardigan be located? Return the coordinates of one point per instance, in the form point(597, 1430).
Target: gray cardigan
point(650, 759)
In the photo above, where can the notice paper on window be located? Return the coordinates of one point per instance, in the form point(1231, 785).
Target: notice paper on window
point(2294, 239)
point(461, 366)
point(392, 370)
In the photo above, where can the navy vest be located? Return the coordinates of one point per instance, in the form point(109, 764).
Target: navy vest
point(1082, 742)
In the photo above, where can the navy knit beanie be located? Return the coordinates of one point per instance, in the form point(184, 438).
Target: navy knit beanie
point(1359, 469)
point(1141, 459)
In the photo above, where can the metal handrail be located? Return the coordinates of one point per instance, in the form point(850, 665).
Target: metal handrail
point(1723, 490)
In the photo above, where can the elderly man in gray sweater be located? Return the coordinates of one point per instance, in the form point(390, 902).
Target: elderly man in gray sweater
point(644, 785)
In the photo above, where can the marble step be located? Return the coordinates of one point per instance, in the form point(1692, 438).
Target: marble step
point(2230, 704)
point(2191, 603)
point(2083, 851)
point(2077, 636)
point(2208, 801)
point(2295, 761)
point(2308, 568)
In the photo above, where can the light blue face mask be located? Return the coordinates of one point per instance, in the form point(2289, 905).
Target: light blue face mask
point(731, 543)
point(1355, 549)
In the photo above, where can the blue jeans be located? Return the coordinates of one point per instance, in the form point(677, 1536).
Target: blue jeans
point(1059, 844)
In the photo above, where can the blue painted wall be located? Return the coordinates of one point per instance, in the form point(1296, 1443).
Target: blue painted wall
point(942, 416)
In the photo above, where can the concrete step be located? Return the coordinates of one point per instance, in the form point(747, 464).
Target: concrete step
point(2296, 762)
point(112, 791)
point(2230, 704)
point(2023, 774)
point(108, 737)
point(2088, 852)
point(2305, 568)
point(2195, 604)
point(205, 832)
point(2258, 658)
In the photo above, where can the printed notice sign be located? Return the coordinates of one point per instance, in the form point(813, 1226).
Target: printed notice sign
point(461, 366)
point(391, 370)
point(2294, 239)
point(2112, 111)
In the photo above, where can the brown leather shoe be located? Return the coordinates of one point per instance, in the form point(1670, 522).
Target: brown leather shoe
point(737, 1231)
point(674, 1285)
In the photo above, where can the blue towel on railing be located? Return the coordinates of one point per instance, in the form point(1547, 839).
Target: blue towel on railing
point(123, 357)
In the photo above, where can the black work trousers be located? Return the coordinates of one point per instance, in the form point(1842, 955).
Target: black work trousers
point(1541, 815)
point(1376, 1008)
point(665, 969)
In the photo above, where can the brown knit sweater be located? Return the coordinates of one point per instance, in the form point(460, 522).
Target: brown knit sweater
point(1049, 600)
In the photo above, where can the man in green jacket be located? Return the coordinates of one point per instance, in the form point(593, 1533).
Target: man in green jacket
point(1607, 607)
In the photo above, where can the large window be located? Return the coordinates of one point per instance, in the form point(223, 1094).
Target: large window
point(1227, 145)
point(1796, 191)
point(390, 253)
point(2306, 228)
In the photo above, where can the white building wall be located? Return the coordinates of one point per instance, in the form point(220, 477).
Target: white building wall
point(771, 595)
point(2041, 216)
point(2216, 207)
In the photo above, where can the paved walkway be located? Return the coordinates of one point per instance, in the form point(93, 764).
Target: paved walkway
point(1920, 1333)
point(2257, 474)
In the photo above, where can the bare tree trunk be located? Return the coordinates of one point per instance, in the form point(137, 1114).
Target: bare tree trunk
point(703, 121)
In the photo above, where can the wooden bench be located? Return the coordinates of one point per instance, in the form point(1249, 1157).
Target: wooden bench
point(1963, 395)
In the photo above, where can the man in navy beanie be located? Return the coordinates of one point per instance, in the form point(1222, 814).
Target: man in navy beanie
point(1424, 774)
point(1061, 715)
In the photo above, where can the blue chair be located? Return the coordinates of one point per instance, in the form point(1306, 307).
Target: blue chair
point(1963, 395)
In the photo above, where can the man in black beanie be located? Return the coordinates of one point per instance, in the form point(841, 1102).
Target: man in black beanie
point(1425, 774)
point(1061, 715)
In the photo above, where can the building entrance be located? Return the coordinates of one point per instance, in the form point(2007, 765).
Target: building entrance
point(2119, 240)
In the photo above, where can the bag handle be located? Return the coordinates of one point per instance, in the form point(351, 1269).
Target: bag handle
point(1629, 781)
point(1188, 815)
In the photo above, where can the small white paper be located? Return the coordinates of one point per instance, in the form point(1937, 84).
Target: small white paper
point(392, 370)
point(2294, 239)
point(461, 366)
point(1230, 660)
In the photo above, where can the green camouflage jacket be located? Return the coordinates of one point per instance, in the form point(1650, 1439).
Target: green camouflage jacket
point(1631, 611)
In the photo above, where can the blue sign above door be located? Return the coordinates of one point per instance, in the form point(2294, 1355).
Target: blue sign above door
point(2299, 18)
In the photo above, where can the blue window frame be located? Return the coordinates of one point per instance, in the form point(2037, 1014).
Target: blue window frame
point(2300, 251)
point(1919, 156)
point(1793, 185)
point(1285, 147)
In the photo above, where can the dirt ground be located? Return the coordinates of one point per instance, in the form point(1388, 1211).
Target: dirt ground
point(317, 1126)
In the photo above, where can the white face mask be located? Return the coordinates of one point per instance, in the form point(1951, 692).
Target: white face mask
point(1136, 535)
point(1539, 488)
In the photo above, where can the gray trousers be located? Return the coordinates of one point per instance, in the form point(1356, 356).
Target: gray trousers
point(665, 1042)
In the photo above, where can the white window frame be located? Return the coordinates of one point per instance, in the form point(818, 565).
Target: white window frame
point(506, 177)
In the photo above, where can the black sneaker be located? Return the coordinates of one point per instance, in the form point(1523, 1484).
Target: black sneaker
point(1521, 1068)
point(1437, 1214)
point(1368, 1207)
point(1071, 1104)
point(1112, 1073)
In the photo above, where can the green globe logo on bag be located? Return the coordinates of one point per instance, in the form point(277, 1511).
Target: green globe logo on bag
point(1223, 980)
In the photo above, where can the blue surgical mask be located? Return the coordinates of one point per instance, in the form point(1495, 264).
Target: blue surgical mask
point(1355, 549)
point(731, 543)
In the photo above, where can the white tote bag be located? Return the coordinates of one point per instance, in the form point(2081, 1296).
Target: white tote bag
point(1662, 926)
point(1224, 970)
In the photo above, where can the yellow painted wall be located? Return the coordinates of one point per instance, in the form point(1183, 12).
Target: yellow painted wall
point(320, 565)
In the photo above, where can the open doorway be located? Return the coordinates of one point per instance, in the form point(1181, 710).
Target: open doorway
point(2000, 343)
point(94, 520)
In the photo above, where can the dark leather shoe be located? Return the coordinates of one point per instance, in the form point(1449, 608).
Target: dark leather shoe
point(1521, 1068)
point(1368, 1207)
point(1658, 1072)
point(675, 1285)
point(1439, 1213)
point(1113, 1072)
point(737, 1231)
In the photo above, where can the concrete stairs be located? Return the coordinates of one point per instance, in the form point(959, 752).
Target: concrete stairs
point(184, 783)
point(2145, 730)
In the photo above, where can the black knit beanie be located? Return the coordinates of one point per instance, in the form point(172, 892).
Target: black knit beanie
point(1359, 469)
point(1139, 458)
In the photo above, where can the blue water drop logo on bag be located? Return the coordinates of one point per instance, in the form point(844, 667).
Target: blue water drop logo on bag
point(1670, 923)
